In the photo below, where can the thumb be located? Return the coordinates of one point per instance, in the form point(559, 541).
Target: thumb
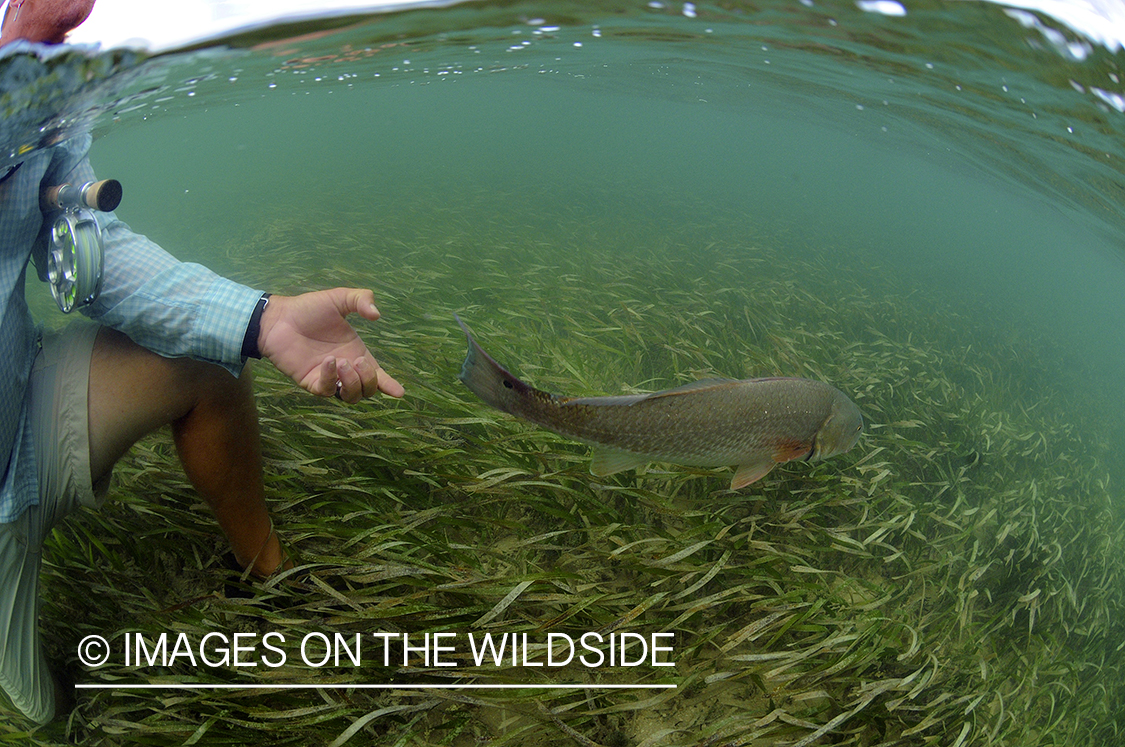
point(356, 301)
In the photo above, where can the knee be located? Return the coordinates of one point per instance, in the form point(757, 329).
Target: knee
point(133, 392)
point(127, 376)
point(208, 384)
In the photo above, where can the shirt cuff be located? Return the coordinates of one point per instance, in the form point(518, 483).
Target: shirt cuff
point(226, 309)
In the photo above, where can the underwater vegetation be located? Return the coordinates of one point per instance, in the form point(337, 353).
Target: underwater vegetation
point(956, 578)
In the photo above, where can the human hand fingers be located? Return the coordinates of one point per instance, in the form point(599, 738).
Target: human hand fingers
point(350, 386)
point(383, 382)
point(363, 379)
point(324, 381)
point(356, 301)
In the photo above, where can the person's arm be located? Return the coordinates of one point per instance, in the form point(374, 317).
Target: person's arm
point(183, 309)
point(43, 21)
point(170, 307)
point(176, 309)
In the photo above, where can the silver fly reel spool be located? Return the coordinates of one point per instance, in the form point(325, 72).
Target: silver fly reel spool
point(75, 253)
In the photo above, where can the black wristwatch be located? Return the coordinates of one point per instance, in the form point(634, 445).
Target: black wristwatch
point(250, 341)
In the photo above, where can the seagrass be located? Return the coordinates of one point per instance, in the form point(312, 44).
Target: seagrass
point(955, 579)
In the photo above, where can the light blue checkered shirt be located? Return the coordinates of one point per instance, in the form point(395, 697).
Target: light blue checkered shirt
point(170, 307)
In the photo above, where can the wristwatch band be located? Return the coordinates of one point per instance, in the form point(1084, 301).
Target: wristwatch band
point(253, 329)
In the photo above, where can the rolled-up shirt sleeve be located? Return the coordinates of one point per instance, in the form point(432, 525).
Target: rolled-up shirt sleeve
point(174, 308)
point(170, 307)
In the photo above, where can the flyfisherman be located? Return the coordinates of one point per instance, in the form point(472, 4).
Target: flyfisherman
point(167, 345)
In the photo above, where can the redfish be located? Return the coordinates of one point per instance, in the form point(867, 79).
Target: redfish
point(750, 424)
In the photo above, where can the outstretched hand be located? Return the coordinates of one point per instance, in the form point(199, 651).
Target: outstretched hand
point(309, 340)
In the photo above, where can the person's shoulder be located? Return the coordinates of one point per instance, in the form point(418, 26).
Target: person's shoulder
point(73, 145)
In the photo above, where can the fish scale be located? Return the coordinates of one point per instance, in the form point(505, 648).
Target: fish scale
point(751, 424)
point(704, 427)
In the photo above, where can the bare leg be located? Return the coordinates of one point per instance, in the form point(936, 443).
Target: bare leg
point(215, 426)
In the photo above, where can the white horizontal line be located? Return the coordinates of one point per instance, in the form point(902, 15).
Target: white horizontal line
point(283, 686)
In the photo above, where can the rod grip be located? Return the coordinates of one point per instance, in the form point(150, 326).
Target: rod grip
point(104, 195)
point(51, 197)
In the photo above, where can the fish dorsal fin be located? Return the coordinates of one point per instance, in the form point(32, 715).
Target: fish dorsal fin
point(624, 400)
point(609, 461)
point(616, 401)
point(694, 386)
point(747, 473)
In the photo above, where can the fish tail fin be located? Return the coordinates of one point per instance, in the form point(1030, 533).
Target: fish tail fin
point(488, 379)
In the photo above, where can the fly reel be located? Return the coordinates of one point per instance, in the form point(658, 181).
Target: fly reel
point(75, 251)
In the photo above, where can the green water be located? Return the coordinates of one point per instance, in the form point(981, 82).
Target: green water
point(879, 159)
point(924, 211)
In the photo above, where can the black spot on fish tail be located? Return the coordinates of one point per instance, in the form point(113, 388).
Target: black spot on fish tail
point(492, 382)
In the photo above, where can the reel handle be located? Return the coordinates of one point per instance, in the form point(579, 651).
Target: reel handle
point(104, 195)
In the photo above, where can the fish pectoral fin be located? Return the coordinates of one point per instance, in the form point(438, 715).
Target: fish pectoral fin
point(790, 450)
point(609, 461)
point(745, 474)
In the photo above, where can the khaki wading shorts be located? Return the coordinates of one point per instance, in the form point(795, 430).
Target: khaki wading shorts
point(59, 412)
